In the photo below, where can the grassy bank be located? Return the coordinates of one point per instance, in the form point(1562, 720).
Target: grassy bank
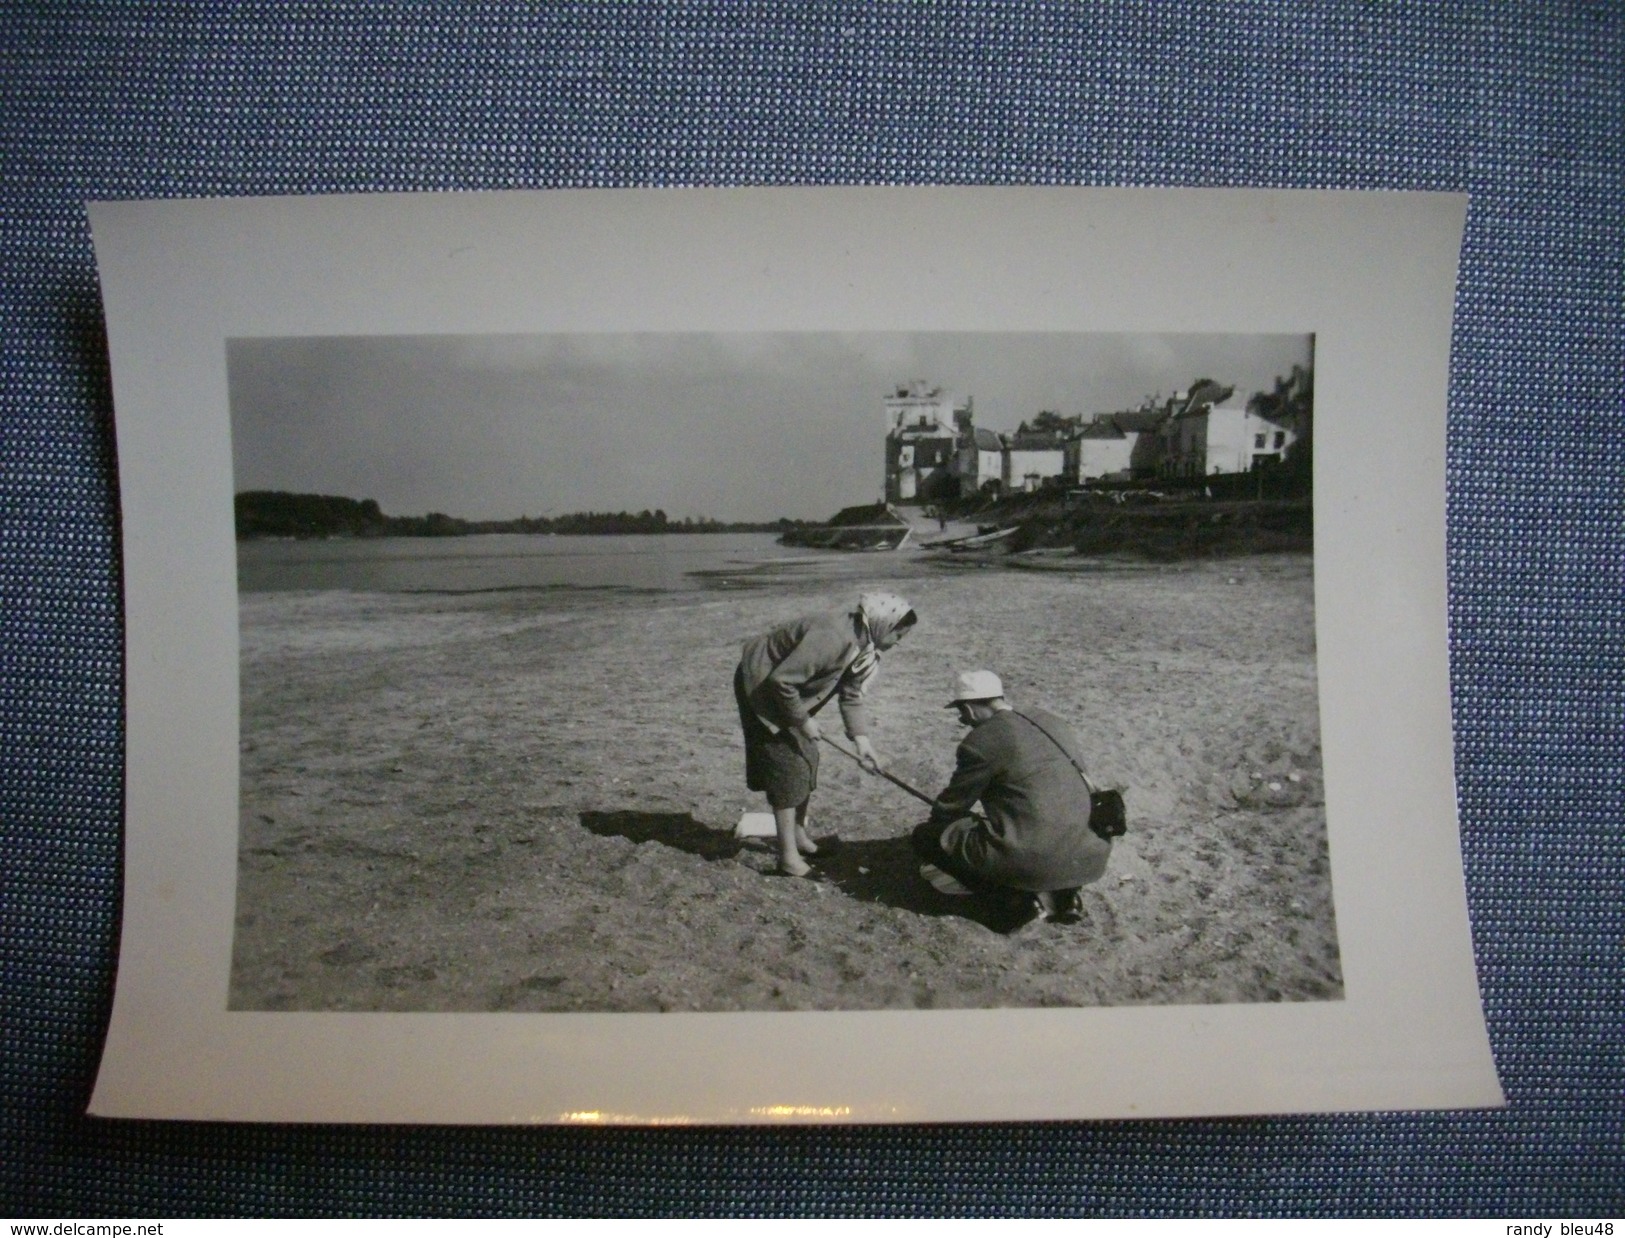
point(1160, 529)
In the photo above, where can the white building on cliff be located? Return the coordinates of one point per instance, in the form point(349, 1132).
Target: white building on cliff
point(924, 428)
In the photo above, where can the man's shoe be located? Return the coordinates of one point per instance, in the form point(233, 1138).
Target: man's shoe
point(1018, 916)
point(944, 883)
point(1061, 906)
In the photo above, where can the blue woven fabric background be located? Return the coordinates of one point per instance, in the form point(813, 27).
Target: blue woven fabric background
point(1522, 105)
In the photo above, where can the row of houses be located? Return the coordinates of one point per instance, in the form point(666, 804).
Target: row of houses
point(935, 450)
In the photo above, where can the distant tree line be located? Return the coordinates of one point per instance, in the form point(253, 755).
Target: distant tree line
point(276, 513)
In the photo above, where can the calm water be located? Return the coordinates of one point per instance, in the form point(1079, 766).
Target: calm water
point(668, 561)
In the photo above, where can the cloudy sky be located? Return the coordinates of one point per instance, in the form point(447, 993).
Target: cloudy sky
point(735, 427)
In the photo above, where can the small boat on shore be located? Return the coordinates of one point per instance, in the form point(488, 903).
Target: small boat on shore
point(976, 541)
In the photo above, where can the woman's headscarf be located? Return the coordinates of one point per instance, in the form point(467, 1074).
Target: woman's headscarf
point(881, 613)
point(877, 614)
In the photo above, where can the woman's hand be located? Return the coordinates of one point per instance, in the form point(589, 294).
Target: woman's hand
point(811, 730)
point(866, 754)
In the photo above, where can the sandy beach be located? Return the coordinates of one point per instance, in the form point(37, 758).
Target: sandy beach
point(525, 800)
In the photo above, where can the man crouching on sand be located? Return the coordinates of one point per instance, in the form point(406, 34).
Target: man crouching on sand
point(1035, 844)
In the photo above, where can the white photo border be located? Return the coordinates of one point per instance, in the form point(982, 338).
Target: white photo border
point(1370, 275)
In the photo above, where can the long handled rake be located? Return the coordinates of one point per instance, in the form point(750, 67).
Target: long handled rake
point(946, 883)
point(760, 824)
point(889, 777)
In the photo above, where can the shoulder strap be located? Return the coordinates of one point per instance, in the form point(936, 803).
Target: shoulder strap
point(1060, 745)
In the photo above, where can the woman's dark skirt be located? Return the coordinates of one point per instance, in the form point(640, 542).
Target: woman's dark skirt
point(782, 764)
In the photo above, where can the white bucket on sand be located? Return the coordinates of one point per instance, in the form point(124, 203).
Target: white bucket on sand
point(755, 825)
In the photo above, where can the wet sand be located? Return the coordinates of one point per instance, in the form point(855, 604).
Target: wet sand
point(525, 800)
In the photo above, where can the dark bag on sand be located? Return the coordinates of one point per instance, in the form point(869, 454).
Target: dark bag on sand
point(1108, 816)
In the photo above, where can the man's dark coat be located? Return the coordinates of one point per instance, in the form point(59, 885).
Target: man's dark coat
point(1036, 835)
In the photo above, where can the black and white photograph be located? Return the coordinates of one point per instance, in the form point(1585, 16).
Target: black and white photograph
point(730, 672)
point(713, 656)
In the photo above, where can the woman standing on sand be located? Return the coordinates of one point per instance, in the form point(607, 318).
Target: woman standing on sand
point(784, 678)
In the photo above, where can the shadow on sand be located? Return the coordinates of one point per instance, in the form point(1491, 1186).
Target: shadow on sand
point(678, 830)
point(884, 871)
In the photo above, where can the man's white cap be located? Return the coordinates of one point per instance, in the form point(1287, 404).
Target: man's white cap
point(975, 686)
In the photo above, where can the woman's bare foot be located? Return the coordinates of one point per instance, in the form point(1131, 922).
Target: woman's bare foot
point(804, 842)
point(794, 868)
